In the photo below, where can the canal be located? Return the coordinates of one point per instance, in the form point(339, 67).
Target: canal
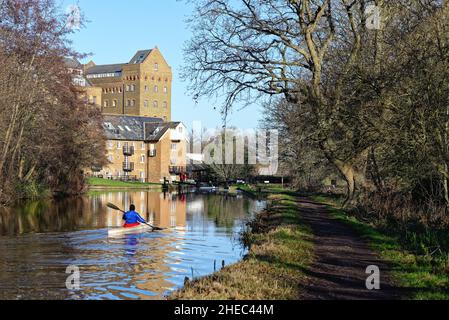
point(40, 240)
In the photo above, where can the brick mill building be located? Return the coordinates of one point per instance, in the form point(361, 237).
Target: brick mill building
point(135, 99)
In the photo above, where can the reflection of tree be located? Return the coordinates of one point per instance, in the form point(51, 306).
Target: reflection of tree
point(55, 215)
point(225, 210)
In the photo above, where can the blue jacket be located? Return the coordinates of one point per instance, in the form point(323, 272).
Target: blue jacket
point(132, 217)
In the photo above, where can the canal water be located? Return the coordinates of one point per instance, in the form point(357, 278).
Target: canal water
point(39, 241)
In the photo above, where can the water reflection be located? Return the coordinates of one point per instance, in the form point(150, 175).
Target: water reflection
point(54, 234)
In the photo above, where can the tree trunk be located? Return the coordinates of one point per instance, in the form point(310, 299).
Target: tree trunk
point(355, 180)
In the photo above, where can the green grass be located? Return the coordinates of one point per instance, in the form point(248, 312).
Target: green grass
point(98, 182)
point(421, 278)
point(279, 251)
point(266, 189)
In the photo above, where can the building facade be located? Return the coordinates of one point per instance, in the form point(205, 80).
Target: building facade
point(143, 144)
point(140, 87)
point(88, 92)
point(143, 149)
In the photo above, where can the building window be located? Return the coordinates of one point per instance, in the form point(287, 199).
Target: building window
point(114, 103)
point(94, 99)
point(145, 103)
point(146, 88)
point(142, 158)
point(155, 88)
point(156, 66)
point(180, 129)
point(133, 88)
point(164, 104)
point(173, 161)
point(165, 89)
point(174, 146)
point(106, 103)
point(155, 103)
point(133, 103)
point(127, 88)
point(110, 144)
point(119, 145)
point(110, 158)
point(142, 146)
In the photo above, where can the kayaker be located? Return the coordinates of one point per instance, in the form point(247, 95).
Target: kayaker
point(132, 218)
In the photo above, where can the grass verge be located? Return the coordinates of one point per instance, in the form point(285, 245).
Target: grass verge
point(98, 182)
point(420, 277)
point(279, 249)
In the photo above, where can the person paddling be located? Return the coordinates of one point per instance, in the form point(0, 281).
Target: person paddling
point(132, 218)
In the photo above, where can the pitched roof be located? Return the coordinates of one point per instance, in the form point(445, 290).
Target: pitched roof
point(106, 68)
point(140, 56)
point(72, 63)
point(134, 128)
point(154, 131)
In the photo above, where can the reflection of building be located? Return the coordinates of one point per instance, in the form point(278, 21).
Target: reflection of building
point(162, 210)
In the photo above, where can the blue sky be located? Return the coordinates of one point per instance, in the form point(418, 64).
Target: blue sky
point(116, 29)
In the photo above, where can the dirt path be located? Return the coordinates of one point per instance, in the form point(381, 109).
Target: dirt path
point(341, 259)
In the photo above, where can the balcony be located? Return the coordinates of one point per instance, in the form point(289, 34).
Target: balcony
point(128, 150)
point(177, 170)
point(128, 166)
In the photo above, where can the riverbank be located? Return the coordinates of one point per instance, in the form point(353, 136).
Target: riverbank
point(419, 277)
point(98, 183)
point(280, 248)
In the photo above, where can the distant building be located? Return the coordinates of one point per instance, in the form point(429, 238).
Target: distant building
point(140, 87)
point(144, 149)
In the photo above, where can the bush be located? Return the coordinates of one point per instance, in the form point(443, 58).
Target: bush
point(422, 227)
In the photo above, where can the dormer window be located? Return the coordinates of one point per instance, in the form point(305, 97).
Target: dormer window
point(109, 126)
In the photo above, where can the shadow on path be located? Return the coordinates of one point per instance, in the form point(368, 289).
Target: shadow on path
point(341, 259)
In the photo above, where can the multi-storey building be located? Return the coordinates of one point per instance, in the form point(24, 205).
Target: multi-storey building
point(140, 87)
point(144, 149)
point(135, 99)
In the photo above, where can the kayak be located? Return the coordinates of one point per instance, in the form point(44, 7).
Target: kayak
point(121, 230)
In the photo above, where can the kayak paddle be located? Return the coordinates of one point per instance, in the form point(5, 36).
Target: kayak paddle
point(114, 207)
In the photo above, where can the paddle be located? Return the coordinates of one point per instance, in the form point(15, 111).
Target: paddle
point(114, 207)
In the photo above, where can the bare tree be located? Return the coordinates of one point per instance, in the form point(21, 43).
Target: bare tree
point(47, 134)
point(248, 49)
